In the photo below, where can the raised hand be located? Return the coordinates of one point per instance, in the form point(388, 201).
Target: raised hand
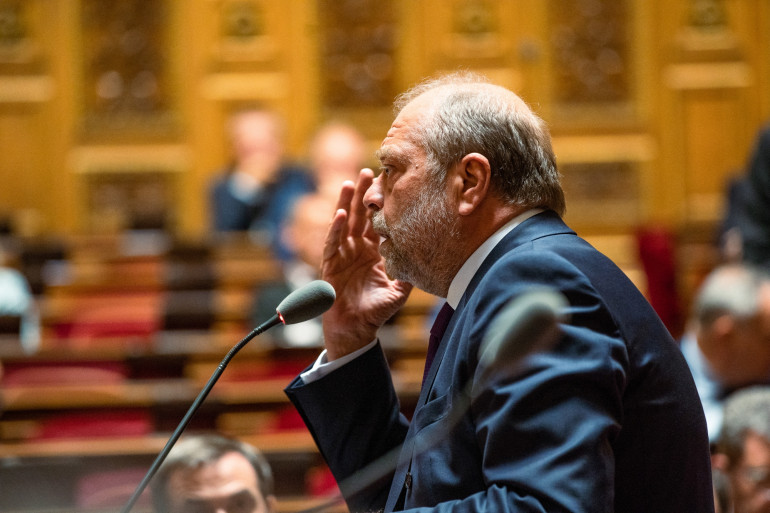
point(366, 296)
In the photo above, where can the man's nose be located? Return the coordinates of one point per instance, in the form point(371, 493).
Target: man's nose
point(373, 195)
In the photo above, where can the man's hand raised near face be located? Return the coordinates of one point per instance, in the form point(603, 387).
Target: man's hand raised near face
point(366, 296)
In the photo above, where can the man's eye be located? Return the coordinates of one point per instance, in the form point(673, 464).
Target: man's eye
point(384, 170)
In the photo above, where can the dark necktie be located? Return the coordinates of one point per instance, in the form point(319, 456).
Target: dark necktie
point(436, 332)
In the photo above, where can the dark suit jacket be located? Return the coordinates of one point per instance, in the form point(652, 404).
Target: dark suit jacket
point(748, 203)
point(607, 420)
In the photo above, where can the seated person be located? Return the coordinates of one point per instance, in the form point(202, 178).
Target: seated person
point(726, 344)
point(743, 450)
point(304, 234)
point(17, 300)
point(211, 473)
point(745, 231)
point(256, 191)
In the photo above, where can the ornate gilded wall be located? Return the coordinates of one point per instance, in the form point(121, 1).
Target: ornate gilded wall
point(112, 112)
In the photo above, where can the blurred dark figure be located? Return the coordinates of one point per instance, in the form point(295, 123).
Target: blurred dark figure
point(745, 233)
point(304, 234)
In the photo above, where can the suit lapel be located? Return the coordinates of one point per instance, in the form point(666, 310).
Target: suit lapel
point(538, 226)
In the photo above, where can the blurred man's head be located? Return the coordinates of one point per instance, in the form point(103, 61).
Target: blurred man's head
point(305, 231)
point(257, 138)
point(732, 317)
point(337, 153)
point(213, 474)
point(744, 449)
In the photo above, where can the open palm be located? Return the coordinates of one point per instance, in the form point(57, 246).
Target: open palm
point(352, 264)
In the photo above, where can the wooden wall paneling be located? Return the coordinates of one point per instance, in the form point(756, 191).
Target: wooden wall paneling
point(127, 71)
point(364, 54)
point(21, 168)
point(29, 165)
point(593, 53)
point(761, 51)
point(129, 187)
point(254, 52)
point(750, 21)
point(304, 66)
point(256, 68)
point(708, 111)
point(193, 44)
point(714, 148)
point(478, 35)
point(603, 177)
point(222, 53)
point(598, 102)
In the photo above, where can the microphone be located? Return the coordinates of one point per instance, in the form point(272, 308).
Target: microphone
point(301, 305)
point(307, 302)
point(526, 324)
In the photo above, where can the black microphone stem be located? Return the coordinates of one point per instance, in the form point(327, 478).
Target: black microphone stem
point(193, 408)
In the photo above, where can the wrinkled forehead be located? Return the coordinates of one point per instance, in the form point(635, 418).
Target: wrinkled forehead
point(398, 151)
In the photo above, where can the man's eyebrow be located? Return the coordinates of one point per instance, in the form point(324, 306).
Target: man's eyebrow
point(381, 154)
point(196, 501)
point(390, 154)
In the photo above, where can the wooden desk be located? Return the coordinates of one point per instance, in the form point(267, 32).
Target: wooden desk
point(51, 470)
point(297, 443)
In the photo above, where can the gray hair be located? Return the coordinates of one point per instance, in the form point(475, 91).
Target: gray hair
point(197, 451)
point(474, 115)
point(731, 289)
point(746, 410)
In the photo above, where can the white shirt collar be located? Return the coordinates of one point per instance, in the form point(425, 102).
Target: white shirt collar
point(244, 186)
point(468, 270)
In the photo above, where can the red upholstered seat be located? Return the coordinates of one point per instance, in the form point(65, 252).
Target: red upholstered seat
point(96, 424)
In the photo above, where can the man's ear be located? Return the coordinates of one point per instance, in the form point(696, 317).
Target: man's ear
point(471, 182)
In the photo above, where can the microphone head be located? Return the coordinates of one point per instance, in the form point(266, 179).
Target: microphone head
point(527, 323)
point(306, 302)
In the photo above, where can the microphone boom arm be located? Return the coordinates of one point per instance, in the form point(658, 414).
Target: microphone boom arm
point(194, 407)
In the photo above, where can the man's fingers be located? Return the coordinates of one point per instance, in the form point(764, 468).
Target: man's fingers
point(358, 211)
point(346, 195)
point(336, 234)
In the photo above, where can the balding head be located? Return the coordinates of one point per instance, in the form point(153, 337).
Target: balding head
point(463, 113)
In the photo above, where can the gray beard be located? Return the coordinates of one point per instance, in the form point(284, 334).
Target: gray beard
point(420, 243)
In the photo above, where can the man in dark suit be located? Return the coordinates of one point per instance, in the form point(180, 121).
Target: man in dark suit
point(746, 227)
point(255, 193)
point(467, 206)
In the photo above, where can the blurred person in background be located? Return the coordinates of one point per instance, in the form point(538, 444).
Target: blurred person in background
point(337, 153)
point(745, 231)
point(213, 474)
point(727, 344)
point(743, 450)
point(18, 305)
point(304, 234)
point(256, 191)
